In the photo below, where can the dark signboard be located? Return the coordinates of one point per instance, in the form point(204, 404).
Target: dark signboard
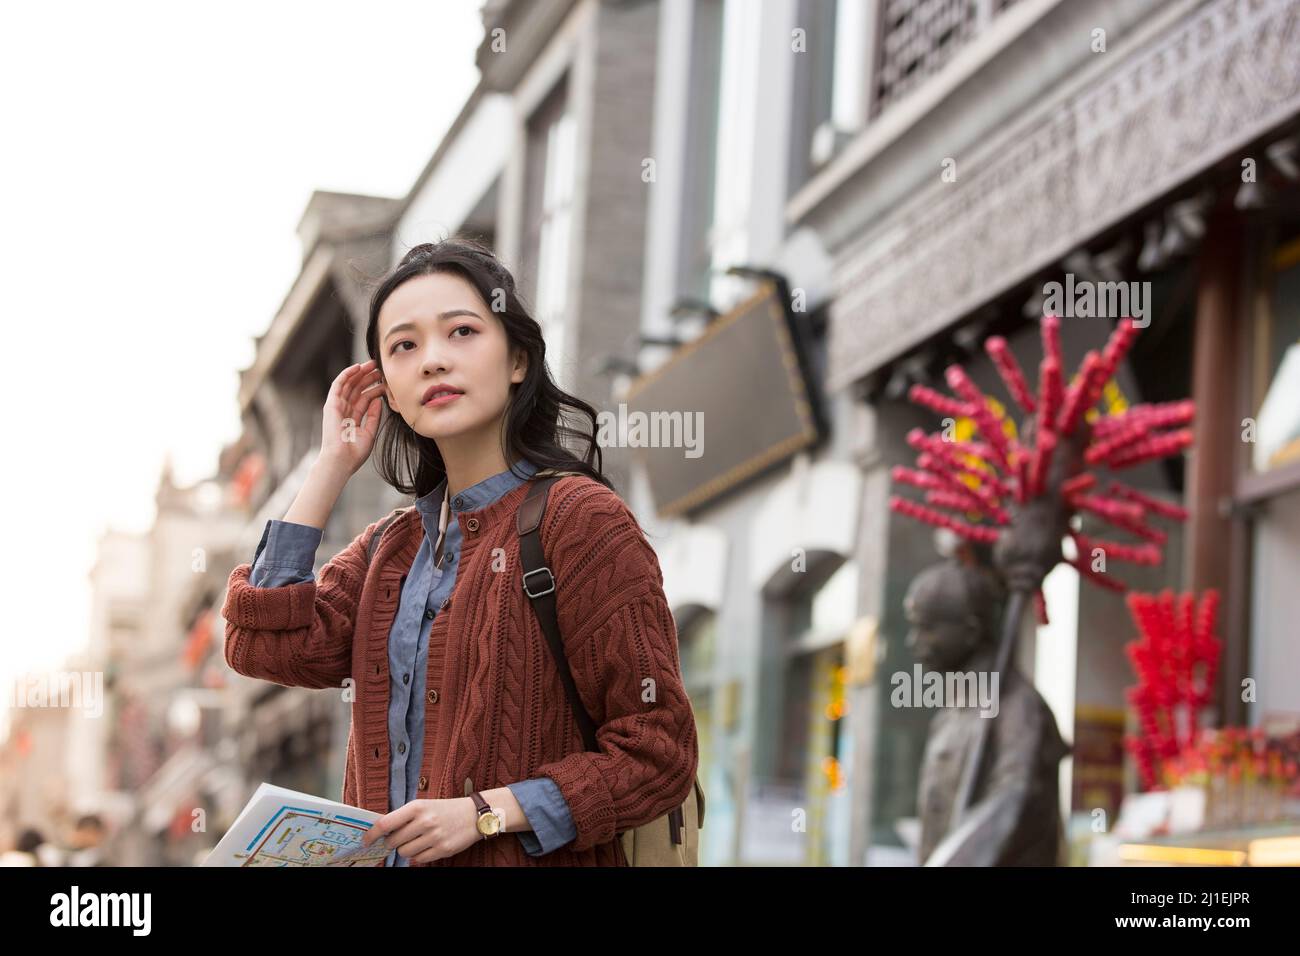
point(725, 406)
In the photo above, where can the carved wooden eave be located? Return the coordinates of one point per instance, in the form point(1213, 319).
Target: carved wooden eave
point(1035, 191)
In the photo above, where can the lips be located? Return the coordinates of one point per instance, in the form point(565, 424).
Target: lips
point(438, 394)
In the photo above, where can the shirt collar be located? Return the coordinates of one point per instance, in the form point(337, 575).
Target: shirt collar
point(478, 495)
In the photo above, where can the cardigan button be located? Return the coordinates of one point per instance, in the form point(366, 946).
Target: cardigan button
point(433, 697)
point(446, 603)
point(471, 524)
point(424, 783)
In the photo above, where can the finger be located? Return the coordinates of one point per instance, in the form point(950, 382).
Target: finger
point(395, 820)
point(411, 831)
point(354, 392)
point(377, 829)
point(347, 387)
point(355, 374)
point(337, 399)
point(362, 404)
point(371, 424)
point(420, 845)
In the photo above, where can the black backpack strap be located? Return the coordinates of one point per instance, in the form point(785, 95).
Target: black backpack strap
point(539, 585)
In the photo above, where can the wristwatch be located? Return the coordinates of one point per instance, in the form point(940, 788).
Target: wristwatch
point(490, 820)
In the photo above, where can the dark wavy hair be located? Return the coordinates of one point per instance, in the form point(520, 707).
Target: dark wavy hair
point(541, 419)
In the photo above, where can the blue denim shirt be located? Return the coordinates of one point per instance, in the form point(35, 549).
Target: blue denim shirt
point(285, 555)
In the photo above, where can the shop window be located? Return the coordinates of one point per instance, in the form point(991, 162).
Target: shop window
point(695, 252)
point(831, 82)
point(813, 753)
point(549, 187)
point(1276, 363)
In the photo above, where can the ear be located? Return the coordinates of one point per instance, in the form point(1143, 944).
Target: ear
point(520, 370)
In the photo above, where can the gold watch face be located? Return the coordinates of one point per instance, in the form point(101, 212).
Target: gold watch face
point(488, 824)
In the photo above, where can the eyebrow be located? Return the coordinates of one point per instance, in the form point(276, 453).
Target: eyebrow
point(450, 313)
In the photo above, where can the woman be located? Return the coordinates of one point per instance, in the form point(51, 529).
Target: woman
point(459, 712)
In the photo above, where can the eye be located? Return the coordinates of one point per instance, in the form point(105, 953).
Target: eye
point(468, 328)
point(397, 345)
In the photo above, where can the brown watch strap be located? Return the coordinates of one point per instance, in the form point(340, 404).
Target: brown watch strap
point(483, 810)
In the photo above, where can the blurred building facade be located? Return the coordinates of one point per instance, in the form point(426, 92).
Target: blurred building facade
point(1143, 142)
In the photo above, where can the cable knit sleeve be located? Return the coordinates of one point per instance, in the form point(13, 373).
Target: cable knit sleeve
point(298, 635)
point(621, 642)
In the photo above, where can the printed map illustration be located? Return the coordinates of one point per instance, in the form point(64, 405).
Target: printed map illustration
point(281, 827)
point(299, 837)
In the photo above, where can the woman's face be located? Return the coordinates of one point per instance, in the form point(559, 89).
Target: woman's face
point(436, 330)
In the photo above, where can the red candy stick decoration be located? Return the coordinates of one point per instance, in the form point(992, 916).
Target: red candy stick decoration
point(1042, 461)
point(988, 479)
point(1009, 369)
point(1077, 399)
point(937, 402)
point(1078, 484)
point(988, 425)
point(930, 516)
point(1159, 446)
point(1121, 340)
point(1161, 415)
point(1175, 660)
point(1147, 554)
point(1154, 505)
point(1050, 328)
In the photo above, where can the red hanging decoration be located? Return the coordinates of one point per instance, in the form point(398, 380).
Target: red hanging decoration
point(974, 487)
point(1176, 661)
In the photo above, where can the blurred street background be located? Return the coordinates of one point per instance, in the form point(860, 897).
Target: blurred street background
point(799, 208)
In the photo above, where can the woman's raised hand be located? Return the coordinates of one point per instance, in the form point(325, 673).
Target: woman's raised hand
point(351, 417)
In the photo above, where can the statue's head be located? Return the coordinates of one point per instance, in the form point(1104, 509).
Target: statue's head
point(953, 608)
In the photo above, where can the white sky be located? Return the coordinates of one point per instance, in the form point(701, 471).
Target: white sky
point(157, 158)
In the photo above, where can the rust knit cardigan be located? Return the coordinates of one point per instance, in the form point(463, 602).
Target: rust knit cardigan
point(496, 712)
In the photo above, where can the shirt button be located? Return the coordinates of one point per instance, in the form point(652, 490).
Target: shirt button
point(406, 678)
point(433, 697)
point(424, 783)
point(430, 612)
point(446, 602)
point(401, 747)
point(471, 524)
point(459, 502)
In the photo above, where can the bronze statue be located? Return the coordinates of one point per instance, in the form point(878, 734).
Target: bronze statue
point(1013, 815)
point(989, 784)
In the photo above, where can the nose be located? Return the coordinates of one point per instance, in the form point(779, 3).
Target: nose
point(434, 360)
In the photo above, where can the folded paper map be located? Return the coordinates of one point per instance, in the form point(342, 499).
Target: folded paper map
point(282, 827)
